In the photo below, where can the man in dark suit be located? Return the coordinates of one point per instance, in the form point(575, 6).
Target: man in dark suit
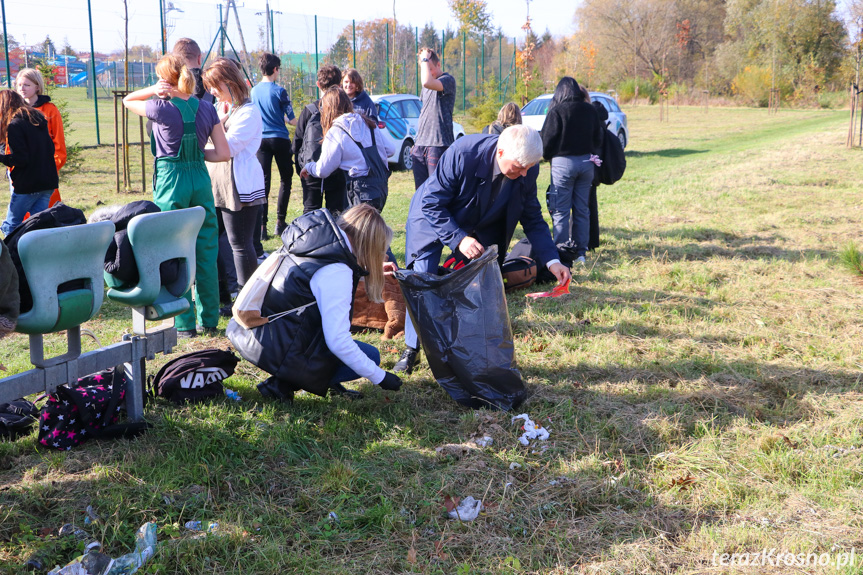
point(482, 188)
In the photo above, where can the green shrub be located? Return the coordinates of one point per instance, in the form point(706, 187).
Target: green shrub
point(628, 89)
point(852, 259)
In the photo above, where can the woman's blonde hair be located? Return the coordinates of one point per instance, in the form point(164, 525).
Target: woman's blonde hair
point(509, 115)
point(224, 71)
point(172, 69)
point(34, 76)
point(334, 103)
point(370, 237)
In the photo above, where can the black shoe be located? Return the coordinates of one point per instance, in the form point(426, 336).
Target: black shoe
point(407, 361)
point(210, 331)
point(264, 234)
point(227, 311)
point(280, 227)
point(271, 389)
point(186, 333)
point(339, 389)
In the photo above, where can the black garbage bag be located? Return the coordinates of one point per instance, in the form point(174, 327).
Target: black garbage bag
point(463, 324)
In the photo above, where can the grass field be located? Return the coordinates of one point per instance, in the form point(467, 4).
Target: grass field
point(702, 386)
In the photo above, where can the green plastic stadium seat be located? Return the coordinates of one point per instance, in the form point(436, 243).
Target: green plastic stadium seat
point(56, 256)
point(156, 238)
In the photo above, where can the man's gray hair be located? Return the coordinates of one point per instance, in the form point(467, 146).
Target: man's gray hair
point(522, 144)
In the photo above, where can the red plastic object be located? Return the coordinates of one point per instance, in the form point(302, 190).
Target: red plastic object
point(558, 291)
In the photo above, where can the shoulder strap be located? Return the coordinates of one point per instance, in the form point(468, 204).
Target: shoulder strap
point(354, 141)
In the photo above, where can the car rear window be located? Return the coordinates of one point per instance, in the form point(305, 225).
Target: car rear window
point(410, 108)
point(536, 107)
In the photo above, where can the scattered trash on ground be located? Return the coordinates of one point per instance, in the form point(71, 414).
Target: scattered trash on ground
point(333, 516)
point(92, 516)
point(514, 465)
point(231, 394)
point(484, 441)
point(557, 291)
point(95, 563)
point(200, 526)
point(531, 430)
point(467, 510)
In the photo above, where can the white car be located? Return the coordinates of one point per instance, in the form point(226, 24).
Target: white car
point(533, 114)
point(398, 115)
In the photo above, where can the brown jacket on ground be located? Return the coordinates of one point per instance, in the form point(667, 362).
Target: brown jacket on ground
point(388, 316)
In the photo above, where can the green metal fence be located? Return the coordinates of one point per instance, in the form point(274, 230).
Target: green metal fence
point(383, 51)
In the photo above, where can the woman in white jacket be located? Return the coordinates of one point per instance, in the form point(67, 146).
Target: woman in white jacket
point(238, 185)
point(353, 143)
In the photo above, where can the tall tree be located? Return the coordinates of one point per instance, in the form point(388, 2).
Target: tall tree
point(47, 46)
point(340, 53)
point(429, 37)
point(472, 15)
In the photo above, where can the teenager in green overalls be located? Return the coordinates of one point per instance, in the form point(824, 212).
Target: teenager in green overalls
point(182, 124)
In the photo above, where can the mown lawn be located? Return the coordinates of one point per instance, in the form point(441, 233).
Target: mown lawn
point(702, 386)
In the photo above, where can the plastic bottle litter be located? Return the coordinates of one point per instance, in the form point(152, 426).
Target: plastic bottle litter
point(145, 546)
point(95, 563)
point(209, 527)
point(91, 563)
point(90, 544)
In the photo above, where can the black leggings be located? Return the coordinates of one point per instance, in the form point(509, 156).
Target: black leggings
point(280, 150)
point(240, 227)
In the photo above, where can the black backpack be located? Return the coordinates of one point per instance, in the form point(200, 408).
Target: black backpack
point(57, 216)
point(313, 136)
point(195, 376)
point(613, 160)
point(16, 418)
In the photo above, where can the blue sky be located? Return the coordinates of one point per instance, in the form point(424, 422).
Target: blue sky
point(31, 21)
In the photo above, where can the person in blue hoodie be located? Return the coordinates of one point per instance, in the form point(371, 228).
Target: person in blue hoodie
point(352, 84)
point(276, 111)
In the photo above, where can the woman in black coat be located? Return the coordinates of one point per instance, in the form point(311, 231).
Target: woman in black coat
point(29, 153)
point(571, 134)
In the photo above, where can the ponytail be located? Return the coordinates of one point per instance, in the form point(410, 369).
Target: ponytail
point(186, 84)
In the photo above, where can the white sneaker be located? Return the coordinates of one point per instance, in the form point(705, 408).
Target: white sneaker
point(262, 258)
point(580, 260)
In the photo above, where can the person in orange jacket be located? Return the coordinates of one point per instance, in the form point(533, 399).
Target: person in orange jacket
point(31, 86)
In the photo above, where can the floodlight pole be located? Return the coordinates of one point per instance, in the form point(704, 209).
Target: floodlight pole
point(6, 46)
point(93, 71)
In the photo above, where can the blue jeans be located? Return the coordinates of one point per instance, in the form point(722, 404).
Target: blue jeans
point(571, 177)
point(20, 204)
point(425, 160)
point(344, 373)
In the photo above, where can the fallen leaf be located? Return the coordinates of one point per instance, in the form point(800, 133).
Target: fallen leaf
point(584, 322)
point(538, 347)
point(45, 532)
point(387, 399)
point(412, 556)
point(788, 442)
point(455, 450)
point(438, 550)
point(392, 350)
point(683, 482)
point(450, 503)
point(2, 367)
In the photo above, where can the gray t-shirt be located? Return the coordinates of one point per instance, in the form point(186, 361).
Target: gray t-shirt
point(435, 124)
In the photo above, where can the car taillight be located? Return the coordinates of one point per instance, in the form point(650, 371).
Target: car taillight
point(381, 125)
